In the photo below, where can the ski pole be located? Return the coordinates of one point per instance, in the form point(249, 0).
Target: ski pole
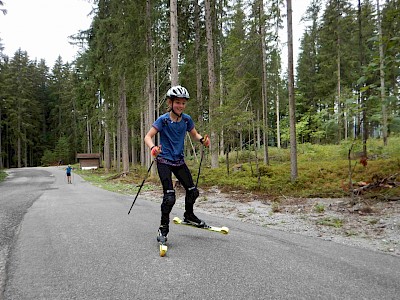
point(144, 179)
point(201, 160)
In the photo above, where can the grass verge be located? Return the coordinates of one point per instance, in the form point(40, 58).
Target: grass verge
point(323, 172)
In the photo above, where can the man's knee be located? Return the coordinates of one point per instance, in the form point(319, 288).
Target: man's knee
point(192, 194)
point(169, 200)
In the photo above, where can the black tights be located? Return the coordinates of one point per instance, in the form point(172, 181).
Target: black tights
point(182, 173)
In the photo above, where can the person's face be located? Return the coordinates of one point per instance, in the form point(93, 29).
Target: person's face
point(179, 105)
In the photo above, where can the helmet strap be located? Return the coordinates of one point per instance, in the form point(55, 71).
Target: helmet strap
point(173, 111)
point(176, 113)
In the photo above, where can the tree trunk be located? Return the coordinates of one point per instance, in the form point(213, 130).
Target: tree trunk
point(19, 150)
point(258, 130)
point(339, 104)
point(256, 156)
point(1, 146)
point(88, 135)
point(150, 69)
point(213, 101)
point(25, 159)
point(133, 146)
point(240, 140)
point(107, 156)
point(278, 126)
point(150, 113)
point(142, 133)
point(362, 99)
point(382, 77)
point(118, 154)
point(292, 106)
point(338, 80)
point(174, 41)
point(199, 80)
point(221, 82)
point(264, 83)
point(124, 127)
point(115, 149)
point(19, 147)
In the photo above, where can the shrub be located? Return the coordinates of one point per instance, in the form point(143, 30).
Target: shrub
point(334, 222)
point(319, 207)
point(49, 158)
point(275, 207)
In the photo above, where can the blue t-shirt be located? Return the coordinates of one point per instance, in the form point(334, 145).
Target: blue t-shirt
point(172, 135)
point(69, 169)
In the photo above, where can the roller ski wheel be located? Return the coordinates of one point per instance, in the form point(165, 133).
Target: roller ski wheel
point(163, 250)
point(223, 229)
point(162, 240)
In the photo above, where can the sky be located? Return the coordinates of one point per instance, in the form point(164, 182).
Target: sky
point(41, 27)
point(299, 7)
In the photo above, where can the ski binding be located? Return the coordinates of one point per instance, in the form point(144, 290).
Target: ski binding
point(223, 230)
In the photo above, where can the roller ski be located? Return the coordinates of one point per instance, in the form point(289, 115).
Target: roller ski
point(162, 239)
point(193, 221)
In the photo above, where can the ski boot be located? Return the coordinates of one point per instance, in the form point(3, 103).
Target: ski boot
point(191, 219)
point(162, 236)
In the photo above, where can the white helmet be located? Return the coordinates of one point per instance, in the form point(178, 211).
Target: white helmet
point(178, 92)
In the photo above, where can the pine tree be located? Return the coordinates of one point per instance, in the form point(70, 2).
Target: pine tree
point(235, 72)
point(391, 49)
point(20, 107)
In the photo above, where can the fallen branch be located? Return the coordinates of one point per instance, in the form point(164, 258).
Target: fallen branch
point(388, 182)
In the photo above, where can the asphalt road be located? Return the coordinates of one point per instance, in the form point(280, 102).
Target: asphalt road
point(77, 241)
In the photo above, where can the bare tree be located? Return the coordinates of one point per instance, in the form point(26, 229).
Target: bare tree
point(278, 127)
point(362, 99)
point(292, 105)
point(264, 82)
point(382, 77)
point(173, 10)
point(199, 81)
point(1, 147)
point(339, 92)
point(213, 101)
point(150, 81)
point(221, 79)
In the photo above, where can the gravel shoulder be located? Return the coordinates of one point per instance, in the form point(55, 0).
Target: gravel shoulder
point(374, 226)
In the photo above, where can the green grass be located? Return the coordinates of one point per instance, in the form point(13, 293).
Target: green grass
point(319, 207)
point(3, 175)
point(323, 171)
point(128, 185)
point(333, 222)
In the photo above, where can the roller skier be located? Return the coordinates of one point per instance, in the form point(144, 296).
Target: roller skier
point(169, 156)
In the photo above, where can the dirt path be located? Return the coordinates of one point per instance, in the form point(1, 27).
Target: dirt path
point(372, 226)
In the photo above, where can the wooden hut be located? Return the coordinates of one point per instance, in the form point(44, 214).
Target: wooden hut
point(88, 161)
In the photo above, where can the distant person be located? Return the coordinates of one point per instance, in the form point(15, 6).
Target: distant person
point(69, 171)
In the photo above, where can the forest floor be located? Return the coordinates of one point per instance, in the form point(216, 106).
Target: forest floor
point(368, 224)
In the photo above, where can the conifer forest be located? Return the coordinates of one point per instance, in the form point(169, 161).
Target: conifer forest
point(244, 92)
